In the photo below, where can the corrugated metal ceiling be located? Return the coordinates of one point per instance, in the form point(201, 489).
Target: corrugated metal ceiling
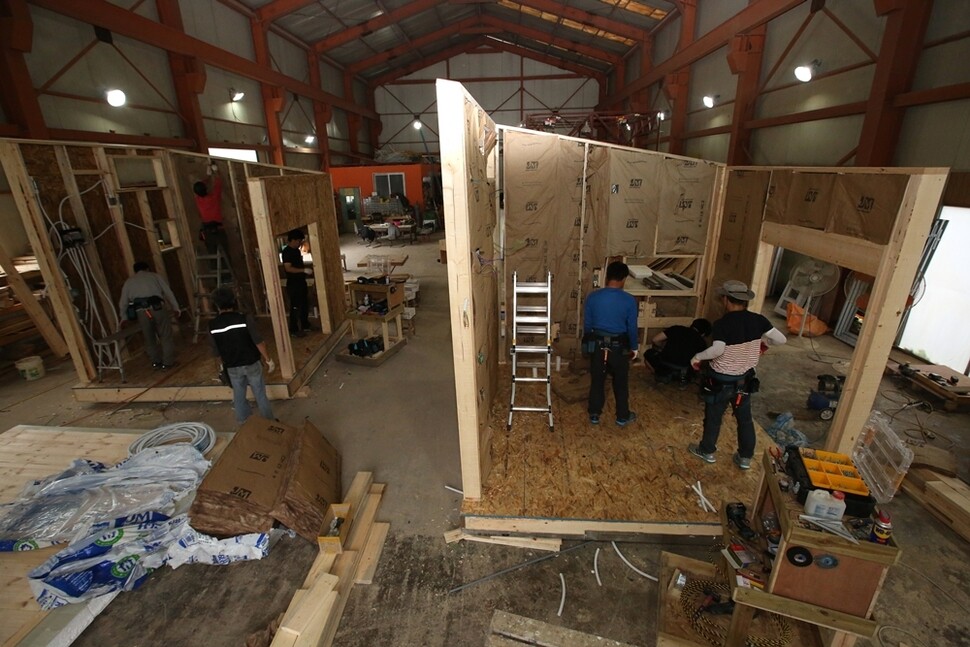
point(583, 34)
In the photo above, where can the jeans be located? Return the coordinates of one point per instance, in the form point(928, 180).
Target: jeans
point(714, 406)
point(618, 363)
point(239, 377)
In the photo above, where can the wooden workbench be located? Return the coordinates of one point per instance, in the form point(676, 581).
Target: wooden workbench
point(955, 391)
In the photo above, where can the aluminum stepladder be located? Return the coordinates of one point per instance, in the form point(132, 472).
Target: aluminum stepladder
point(213, 271)
point(531, 315)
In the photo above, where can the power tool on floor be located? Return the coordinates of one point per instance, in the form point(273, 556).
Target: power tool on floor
point(826, 397)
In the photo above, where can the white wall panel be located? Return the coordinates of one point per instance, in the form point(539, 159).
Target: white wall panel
point(288, 58)
point(331, 79)
point(801, 144)
point(219, 25)
point(936, 135)
point(711, 75)
point(712, 14)
point(102, 118)
point(937, 68)
point(844, 88)
point(296, 120)
point(713, 148)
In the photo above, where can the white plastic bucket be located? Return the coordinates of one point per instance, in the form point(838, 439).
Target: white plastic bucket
point(31, 368)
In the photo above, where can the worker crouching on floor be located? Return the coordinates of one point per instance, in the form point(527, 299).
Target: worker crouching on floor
point(236, 340)
point(730, 377)
point(143, 299)
point(610, 340)
point(672, 350)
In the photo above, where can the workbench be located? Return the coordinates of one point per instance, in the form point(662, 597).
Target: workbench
point(837, 599)
point(953, 387)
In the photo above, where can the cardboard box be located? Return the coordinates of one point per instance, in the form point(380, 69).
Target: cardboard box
point(268, 472)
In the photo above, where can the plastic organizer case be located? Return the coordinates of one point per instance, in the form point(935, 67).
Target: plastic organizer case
point(832, 471)
point(829, 471)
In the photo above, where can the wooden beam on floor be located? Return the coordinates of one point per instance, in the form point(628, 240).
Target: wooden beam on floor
point(31, 305)
point(522, 630)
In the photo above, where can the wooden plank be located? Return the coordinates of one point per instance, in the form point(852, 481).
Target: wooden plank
point(270, 263)
point(302, 612)
point(324, 615)
point(456, 178)
point(322, 564)
point(371, 555)
point(362, 522)
point(69, 178)
point(845, 251)
point(357, 494)
point(809, 613)
point(33, 220)
point(533, 543)
point(535, 632)
point(887, 303)
point(31, 306)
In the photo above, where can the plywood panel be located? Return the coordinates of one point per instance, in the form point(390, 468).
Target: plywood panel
point(641, 472)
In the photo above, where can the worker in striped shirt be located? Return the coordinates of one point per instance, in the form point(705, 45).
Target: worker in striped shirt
point(739, 339)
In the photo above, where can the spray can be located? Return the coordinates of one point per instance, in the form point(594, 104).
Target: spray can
point(882, 528)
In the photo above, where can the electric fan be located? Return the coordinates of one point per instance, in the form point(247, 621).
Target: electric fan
point(813, 278)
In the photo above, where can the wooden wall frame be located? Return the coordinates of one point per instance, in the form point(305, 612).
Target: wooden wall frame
point(79, 184)
point(893, 263)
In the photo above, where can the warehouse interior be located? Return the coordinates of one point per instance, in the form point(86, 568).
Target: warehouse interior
point(433, 154)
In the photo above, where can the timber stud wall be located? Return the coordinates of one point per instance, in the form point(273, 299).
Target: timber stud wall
point(872, 220)
point(137, 203)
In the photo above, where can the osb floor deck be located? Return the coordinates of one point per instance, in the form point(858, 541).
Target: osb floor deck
point(195, 374)
point(582, 478)
point(30, 452)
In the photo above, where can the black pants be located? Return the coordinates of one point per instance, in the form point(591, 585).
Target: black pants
point(214, 237)
point(615, 360)
point(665, 371)
point(299, 305)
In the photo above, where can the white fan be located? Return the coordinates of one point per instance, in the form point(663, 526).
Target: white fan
point(812, 278)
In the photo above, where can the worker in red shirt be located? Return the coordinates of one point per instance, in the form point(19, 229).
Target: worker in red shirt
point(208, 199)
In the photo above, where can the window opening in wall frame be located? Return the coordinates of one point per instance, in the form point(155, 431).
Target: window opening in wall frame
point(388, 184)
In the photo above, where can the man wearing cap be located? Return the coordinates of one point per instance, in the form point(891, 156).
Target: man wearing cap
point(610, 327)
point(733, 356)
point(296, 286)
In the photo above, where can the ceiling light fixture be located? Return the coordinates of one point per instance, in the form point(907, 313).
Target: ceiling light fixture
point(309, 139)
point(661, 115)
point(804, 73)
point(115, 98)
point(416, 124)
point(710, 100)
point(236, 95)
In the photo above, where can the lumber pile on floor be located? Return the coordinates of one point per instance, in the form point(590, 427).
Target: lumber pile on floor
point(510, 630)
point(947, 498)
point(535, 543)
point(315, 610)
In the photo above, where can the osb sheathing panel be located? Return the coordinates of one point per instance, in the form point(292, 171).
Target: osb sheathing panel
point(293, 202)
point(135, 229)
point(737, 244)
point(247, 232)
point(259, 170)
point(861, 205)
point(81, 158)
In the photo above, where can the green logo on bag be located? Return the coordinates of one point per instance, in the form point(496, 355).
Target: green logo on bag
point(110, 538)
point(124, 567)
point(25, 544)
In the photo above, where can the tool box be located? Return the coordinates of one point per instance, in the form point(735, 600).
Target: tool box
point(812, 469)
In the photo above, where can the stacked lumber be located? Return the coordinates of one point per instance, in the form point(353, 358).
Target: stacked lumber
point(947, 498)
point(314, 612)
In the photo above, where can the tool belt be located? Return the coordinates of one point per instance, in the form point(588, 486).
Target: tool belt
point(143, 303)
point(209, 228)
point(596, 340)
point(742, 385)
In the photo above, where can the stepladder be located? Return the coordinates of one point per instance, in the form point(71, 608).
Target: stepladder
point(531, 349)
point(213, 271)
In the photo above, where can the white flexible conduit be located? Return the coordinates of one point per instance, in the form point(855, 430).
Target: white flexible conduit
point(198, 434)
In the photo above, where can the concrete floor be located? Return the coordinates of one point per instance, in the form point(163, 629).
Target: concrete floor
point(399, 422)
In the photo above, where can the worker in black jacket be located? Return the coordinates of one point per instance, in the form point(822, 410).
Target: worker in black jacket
point(237, 341)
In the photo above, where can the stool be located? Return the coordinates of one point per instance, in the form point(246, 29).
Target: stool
point(107, 351)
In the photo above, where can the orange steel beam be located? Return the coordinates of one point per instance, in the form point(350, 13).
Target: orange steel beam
point(745, 59)
point(543, 37)
point(441, 34)
point(322, 113)
point(368, 26)
point(443, 55)
point(832, 112)
point(587, 18)
point(955, 92)
point(353, 121)
point(126, 23)
point(277, 8)
point(19, 99)
point(273, 98)
point(188, 74)
point(896, 66)
point(524, 52)
point(754, 15)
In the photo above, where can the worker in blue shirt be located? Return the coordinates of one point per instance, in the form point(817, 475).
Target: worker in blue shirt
point(610, 339)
